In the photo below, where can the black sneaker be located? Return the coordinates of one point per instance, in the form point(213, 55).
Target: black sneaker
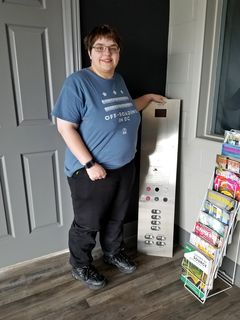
point(90, 276)
point(121, 261)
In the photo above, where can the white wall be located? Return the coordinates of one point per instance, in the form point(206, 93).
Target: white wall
point(186, 37)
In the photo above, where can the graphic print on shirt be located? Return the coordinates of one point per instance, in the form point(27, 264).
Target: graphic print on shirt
point(116, 107)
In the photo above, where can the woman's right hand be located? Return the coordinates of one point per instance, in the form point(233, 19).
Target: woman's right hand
point(96, 172)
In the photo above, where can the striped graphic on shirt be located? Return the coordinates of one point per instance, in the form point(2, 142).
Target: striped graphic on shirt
point(112, 100)
point(118, 106)
point(115, 103)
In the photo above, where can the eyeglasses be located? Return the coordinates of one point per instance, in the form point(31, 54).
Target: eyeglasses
point(111, 49)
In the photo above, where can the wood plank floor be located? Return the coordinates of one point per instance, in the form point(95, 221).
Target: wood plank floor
point(45, 290)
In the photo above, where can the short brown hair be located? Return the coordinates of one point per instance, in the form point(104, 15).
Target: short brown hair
point(102, 31)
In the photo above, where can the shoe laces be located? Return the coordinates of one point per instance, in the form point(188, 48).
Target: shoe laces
point(91, 272)
point(122, 257)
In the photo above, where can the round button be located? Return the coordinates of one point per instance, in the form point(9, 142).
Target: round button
point(165, 199)
point(156, 189)
point(148, 198)
point(148, 188)
point(156, 199)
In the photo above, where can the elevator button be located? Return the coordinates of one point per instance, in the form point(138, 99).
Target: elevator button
point(148, 188)
point(149, 236)
point(156, 211)
point(155, 216)
point(160, 243)
point(149, 242)
point(155, 228)
point(148, 198)
point(160, 238)
point(156, 189)
point(156, 199)
point(155, 222)
point(165, 199)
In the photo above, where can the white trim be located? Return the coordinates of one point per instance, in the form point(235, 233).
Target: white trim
point(209, 73)
point(27, 262)
point(72, 35)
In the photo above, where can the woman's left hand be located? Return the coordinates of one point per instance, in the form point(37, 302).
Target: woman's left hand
point(144, 100)
point(158, 98)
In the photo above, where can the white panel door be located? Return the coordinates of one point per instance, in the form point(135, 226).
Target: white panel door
point(35, 206)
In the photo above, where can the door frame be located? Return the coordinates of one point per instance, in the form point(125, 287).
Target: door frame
point(72, 35)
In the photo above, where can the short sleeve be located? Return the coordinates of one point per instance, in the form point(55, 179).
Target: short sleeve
point(69, 105)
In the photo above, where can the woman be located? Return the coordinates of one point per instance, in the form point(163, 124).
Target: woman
point(99, 121)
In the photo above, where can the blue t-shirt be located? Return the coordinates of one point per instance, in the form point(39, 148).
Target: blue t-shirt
point(107, 117)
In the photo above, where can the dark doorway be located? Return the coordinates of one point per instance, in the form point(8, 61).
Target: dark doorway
point(143, 26)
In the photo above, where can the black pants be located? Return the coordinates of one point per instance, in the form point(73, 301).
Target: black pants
point(99, 205)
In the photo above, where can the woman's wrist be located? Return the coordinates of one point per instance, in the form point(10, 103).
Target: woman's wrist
point(89, 164)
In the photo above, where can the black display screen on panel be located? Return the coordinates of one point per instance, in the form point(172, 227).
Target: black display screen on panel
point(160, 113)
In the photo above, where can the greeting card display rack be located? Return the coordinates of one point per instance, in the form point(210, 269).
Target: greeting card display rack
point(215, 227)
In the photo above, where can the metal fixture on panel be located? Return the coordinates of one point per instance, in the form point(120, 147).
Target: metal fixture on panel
point(158, 170)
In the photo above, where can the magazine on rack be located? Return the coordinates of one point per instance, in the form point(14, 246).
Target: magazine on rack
point(227, 183)
point(197, 270)
point(208, 234)
point(193, 283)
point(208, 249)
point(231, 145)
point(197, 262)
point(213, 223)
point(217, 213)
point(228, 163)
point(221, 201)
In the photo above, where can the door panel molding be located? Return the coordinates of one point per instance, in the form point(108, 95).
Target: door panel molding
point(31, 3)
point(6, 221)
point(32, 86)
point(44, 206)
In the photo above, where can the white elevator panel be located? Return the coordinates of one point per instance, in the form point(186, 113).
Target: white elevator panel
point(158, 170)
